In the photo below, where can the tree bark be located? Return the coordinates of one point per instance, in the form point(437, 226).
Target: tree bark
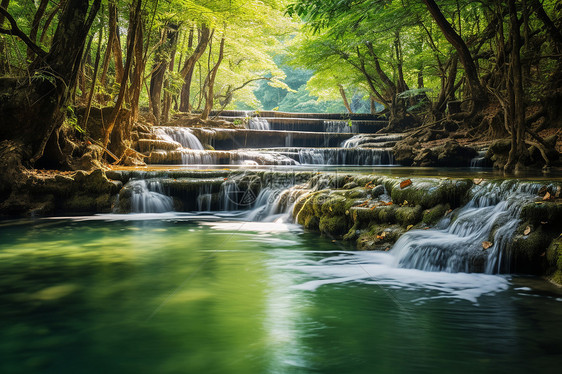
point(161, 65)
point(128, 62)
point(211, 84)
point(46, 95)
point(4, 62)
point(35, 26)
point(189, 67)
point(518, 150)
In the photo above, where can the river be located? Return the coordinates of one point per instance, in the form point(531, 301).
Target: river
point(210, 293)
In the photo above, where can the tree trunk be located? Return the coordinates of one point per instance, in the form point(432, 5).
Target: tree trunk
point(518, 150)
point(344, 98)
point(167, 105)
point(211, 84)
point(35, 26)
point(136, 80)
point(471, 72)
point(189, 67)
point(135, 21)
point(46, 95)
point(4, 62)
point(161, 65)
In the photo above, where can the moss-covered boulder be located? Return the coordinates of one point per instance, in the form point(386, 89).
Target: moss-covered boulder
point(431, 192)
point(554, 258)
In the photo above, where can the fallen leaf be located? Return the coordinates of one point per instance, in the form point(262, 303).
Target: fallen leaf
point(558, 190)
point(527, 230)
point(449, 211)
point(405, 183)
point(409, 227)
point(542, 254)
point(543, 222)
point(486, 245)
point(546, 196)
point(380, 237)
point(477, 181)
point(389, 203)
point(405, 203)
point(225, 179)
point(426, 228)
point(387, 249)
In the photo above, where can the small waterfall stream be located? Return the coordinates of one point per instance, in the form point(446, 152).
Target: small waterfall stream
point(455, 244)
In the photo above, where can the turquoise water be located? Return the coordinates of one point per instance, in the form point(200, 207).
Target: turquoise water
point(184, 294)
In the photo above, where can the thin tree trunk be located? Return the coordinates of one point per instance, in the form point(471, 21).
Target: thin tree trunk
point(518, 150)
point(187, 71)
point(35, 25)
point(169, 39)
point(471, 72)
point(344, 98)
point(4, 62)
point(136, 81)
point(50, 18)
point(211, 84)
point(126, 70)
point(94, 81)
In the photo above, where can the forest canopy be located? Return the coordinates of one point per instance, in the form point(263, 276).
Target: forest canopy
point(492, 66)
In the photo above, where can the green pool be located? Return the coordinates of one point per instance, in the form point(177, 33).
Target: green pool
point(205, 294)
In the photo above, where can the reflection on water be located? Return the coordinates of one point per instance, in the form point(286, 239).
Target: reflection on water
point(194, 294)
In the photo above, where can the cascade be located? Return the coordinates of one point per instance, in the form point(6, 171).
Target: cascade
point(258, 123)
point(491, 215)
point(182, 135)
point(340, 126)
point(147, 196)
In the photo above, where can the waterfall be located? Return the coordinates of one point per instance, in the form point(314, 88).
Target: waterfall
point(491, 215)
point(339, 126)
point(147, 196)
point(258, 123)
point(478, 161)
point(182, 135)
point(345, 156)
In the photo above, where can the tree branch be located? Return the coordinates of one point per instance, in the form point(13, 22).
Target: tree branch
point(16, 31)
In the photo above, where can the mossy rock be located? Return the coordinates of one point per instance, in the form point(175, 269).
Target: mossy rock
point(542, 211)
point(528, 251)
point(380, 237)
point(554, 258)
point(409, 215)
point(429, 193)
point(384, 214)
point(434, 215)
point(333, 205)
point(334, 226)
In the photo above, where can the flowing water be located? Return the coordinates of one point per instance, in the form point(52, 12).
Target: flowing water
point(203, 293)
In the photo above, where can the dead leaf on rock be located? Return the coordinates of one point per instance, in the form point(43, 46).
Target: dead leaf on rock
point(389, 203)
point(405, 183)
point(409, 227)
point(387, 249)
point(405, 203)
point(477, 181)
point(486, 245)
point(449, 211)
point(546, 196)
point(543, 254)
point(527, 230)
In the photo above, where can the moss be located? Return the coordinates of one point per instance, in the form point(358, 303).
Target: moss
point(433, 215)
point(409, 215)
point(385, 214)
point(554, 258)
point(431, 192)
point(542, 211)
point(528, 251)
point(334, 226)
point(333, 205)
point(380, 237)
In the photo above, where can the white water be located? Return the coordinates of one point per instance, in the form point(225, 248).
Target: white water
point(491, 215)
point(345, 156)
point(258, 123)
point(182, 135)
point(148, 197)
point(339, 126)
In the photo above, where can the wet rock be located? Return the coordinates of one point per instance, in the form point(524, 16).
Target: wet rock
point(404, 154)
point(554, 258)
point(425, 158)
point(433, 215)
point(452, 154)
